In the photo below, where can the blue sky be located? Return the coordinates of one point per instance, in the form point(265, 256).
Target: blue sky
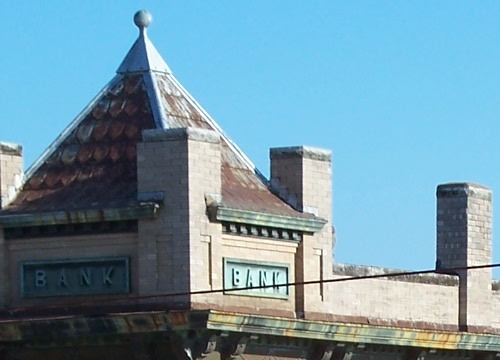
point(405, 94)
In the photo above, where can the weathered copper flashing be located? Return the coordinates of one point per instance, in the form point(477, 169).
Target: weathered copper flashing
point(354, 333)
point(143, 211)
point(74, 326)
point(309, 225)
point(63, 328)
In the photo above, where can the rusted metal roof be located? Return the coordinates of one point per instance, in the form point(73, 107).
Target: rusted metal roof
point(92, 164)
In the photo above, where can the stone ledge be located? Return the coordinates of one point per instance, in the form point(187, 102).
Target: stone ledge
point(307, 152)
point(462, 190)
point(190, 133)
point(10, 149)
point(141, 211)
point(310, 224)
point(404, 334)
point(357, 270)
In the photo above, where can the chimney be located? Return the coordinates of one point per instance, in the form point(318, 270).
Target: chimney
point(11, 171)
point(302, 176)
point(464, 240)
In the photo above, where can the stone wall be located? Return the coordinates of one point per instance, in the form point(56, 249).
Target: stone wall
point(184, 165)
point(11, 171)
point(302, 176)
point(253, 251)
point(496, 307)
point(464, 219)
point(64, 248)
point(419, 299)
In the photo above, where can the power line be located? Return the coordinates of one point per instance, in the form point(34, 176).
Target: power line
point(449, 271)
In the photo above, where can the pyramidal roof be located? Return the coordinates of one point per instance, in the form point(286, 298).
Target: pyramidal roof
point(92, 164)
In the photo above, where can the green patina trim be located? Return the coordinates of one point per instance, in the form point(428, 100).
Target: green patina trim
point(65, 328)
point(61, 329)
point(354, 333)
point(310, 225)
point(144, 211)
point(76, 326)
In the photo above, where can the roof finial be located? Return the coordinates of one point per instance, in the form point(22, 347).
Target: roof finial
point(142, 19)
point(143, 56)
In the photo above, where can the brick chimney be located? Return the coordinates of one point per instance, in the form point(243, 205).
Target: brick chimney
point(302, 176)
point(11, 171)
point(463, 240)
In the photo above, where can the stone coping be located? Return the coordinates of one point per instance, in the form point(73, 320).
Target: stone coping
point(190, 133)
point(495, 286)
point(463, 189)
point(307, 152)
point(360, 270)
point(10, 149)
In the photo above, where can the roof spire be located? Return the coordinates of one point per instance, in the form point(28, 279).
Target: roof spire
point(143, 56)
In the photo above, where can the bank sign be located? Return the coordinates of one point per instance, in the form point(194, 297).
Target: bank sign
point(75, 277)
point(260, 279)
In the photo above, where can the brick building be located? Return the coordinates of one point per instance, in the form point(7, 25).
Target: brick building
point(144, 232)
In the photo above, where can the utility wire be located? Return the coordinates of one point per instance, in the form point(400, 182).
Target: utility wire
point(448, 271)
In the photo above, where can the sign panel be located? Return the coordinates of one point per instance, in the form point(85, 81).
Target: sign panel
point(256, 278)
point(75, 277)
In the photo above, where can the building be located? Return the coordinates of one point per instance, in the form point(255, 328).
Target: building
point(144, 232)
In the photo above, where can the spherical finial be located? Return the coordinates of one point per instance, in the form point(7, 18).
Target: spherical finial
point(142, 19)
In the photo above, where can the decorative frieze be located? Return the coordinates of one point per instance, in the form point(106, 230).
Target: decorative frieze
point(261, 231)
point(109, 227)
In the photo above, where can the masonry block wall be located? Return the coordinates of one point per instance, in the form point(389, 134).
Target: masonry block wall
point(4, 273)
point(495, 320)
point(181, 250)
point(11, 171)
point(388, 301)
point(65, 247)
point(253, 249)
point(183, 165)
point(204, 179)
point(303, 177)
point(464, 239)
